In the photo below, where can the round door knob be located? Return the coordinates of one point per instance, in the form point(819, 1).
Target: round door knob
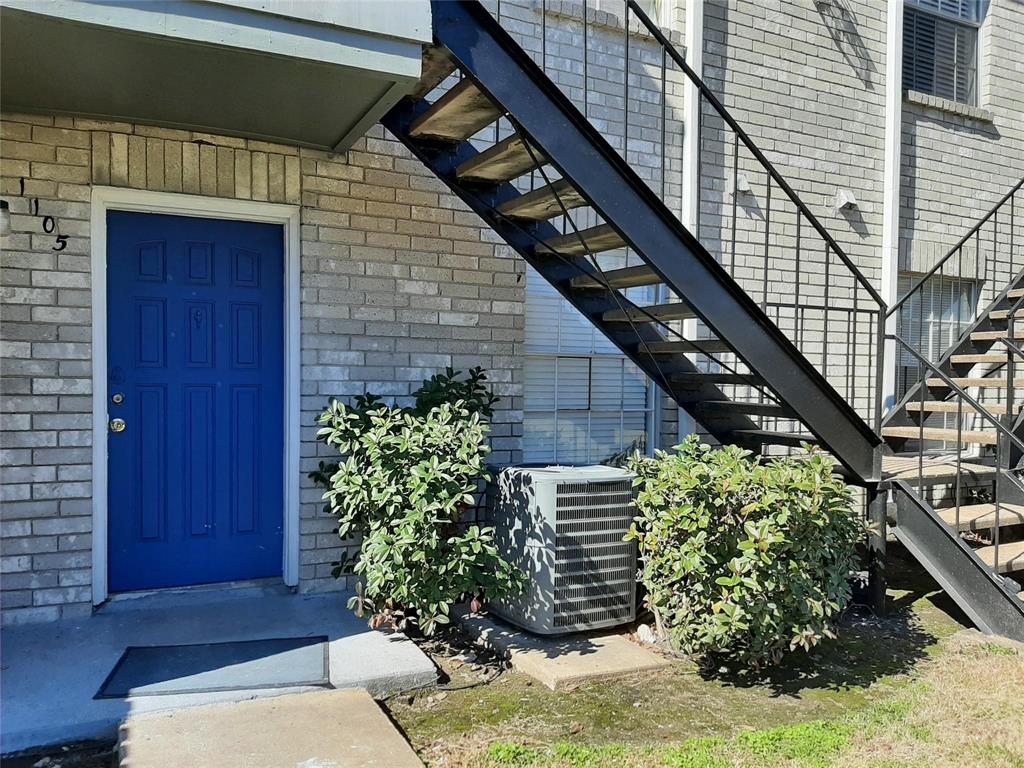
point(117, 425)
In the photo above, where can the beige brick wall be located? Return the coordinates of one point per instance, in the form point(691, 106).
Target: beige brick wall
point(398, 280)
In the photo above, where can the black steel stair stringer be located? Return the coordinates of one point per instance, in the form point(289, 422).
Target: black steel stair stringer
point(485, 52)
point(444, 159)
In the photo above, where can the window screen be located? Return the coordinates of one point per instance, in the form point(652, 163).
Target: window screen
point(584, 401)
point(932, 319)
point(940, 48)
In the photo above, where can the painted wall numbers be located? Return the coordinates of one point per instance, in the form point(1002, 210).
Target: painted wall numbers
point(49, 223)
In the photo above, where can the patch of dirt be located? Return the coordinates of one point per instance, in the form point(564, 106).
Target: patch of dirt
point(86, 754)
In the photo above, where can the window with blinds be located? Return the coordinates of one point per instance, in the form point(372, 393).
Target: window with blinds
point(940, 47)
point(931, 320)
point(584, 401)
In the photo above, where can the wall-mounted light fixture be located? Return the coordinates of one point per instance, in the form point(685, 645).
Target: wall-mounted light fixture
point(741, 185)
point(5, 218)
point(845, 201)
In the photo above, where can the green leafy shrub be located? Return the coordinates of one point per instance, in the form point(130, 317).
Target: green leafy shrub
point(743, 559)
point(405, 479)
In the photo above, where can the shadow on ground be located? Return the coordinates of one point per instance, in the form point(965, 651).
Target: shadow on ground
point(869, 648)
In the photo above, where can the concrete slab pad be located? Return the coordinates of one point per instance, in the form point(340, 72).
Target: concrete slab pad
point(563, 662)
point(329, 729)
point(52, 671)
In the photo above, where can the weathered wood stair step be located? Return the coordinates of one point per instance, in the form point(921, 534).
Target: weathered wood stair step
point(984, 382)
point(461, 112)
point(544, 202)
point(950, 406)
point(508, 159)
point(597, 239)
point(936, 471)
point(1018, 333)
point(437, 65)
point(739, 406)
point(1011, 556)
point(768, 437)
point(945, 435)
point(990, 357)
point(1004, 314)
point(627, 277)
point(664, 312)
point(980, 517)
point(1015, 293)
point(706, 346)
point(699, 379)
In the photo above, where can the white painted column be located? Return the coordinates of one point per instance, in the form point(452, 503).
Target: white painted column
point(891, 183)
point(694, 37)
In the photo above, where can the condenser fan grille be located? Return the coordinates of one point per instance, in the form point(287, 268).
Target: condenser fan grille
point(596, 569)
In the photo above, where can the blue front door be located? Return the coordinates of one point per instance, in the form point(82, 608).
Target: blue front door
point(195, 347)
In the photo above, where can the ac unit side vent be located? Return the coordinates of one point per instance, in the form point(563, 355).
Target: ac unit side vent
point(594, 524)
point(611, 537)
point(570, 552)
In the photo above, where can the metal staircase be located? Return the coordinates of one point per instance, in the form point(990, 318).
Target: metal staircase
point(577, 168)
point(760, 371)
point(959, 500)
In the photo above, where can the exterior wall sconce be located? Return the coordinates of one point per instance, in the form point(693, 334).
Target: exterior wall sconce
point(741, 185)
point(845, 201)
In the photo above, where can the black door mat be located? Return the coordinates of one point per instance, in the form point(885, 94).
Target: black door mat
point(162, 670)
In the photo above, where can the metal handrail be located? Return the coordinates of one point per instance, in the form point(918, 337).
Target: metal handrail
point(956, 248)
point(705, 91)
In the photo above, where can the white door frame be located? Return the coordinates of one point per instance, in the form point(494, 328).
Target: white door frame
point(115, 198)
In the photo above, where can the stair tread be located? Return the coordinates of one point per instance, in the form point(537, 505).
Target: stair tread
point(626, 277)
point(977, 517)
point(461, 112)
point(543, 203)
point(741, 406)
point(996, 335)
point(508, 159)
point(597, 239)
point(779, 438)
point(706, 346)
point(675, 311)
point(946, 435)
point(938, 470)
point(987, 357)
point(1011, 556)
point(952, 406)
point(699, 379)
point(1004, 314)
point(975, 381)
point(436, 66)
point(1015, 293)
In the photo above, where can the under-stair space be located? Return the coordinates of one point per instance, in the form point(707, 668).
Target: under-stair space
point(511, 145)
point(761, 327)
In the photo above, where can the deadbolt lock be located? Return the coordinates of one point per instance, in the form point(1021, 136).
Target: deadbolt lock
point(117, 398)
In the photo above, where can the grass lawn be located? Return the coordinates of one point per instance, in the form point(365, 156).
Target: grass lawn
point(905, 691)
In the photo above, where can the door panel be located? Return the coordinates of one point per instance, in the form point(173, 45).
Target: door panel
point(195, 345)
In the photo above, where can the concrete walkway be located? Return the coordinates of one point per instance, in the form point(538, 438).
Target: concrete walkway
point(52, 671)
point(328, 729)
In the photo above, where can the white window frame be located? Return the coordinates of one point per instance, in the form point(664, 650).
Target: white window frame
point(650, 409)
point(976, 25)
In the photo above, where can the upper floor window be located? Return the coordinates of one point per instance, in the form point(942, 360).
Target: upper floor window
point(940, 47)
point(651, 7)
